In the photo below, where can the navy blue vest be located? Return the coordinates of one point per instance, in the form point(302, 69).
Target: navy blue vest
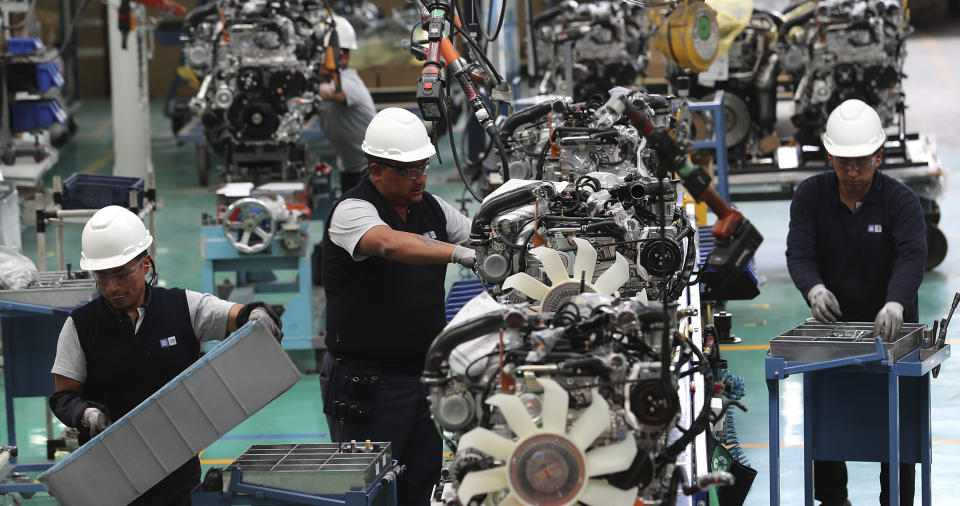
point(379, 310)
point(124, 368)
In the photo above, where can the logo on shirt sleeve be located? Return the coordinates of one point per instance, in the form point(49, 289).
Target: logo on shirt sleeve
point(168, 342)
point(431, 234)
point(875, 228)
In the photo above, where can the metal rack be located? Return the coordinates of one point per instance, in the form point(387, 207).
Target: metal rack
point(58, 217)
point(351, 474)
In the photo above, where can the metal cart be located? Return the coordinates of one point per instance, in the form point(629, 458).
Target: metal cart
point(858, 392)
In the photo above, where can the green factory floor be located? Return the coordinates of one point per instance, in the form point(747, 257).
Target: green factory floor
point(933, 94)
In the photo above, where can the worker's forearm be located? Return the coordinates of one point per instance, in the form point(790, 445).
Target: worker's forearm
point(414, 249)
point(68, 407)
point(232, 318)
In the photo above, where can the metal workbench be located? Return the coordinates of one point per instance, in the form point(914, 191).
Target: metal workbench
point(854, 401)
point(30, 323)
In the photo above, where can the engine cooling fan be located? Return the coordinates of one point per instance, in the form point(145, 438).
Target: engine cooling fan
point(563, 287)
point(550, 466)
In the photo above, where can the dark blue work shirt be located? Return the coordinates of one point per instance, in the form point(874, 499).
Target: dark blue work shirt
point(867, 257)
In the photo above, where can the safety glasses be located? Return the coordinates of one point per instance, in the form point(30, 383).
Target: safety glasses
point(856, 164)
point(120, 276)
point(411, 173)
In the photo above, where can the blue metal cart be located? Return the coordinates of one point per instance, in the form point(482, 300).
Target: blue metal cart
point(852, 405)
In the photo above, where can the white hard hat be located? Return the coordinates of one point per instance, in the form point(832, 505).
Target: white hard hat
point(346, 36)
point(853, 130)
point(397, 134)
point(111, 238)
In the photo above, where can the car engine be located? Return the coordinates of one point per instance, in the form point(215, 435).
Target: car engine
point(608, 41)
point(845, 49)
point(259, 65)
point(574, 405)
point(581, 204)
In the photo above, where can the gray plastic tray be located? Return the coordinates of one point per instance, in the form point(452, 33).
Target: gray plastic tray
point(205, 401)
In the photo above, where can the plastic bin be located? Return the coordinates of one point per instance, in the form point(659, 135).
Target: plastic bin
point(34, 77)
point(212, 396)
point(31, 115)
point(24, 45)
point(95, 191)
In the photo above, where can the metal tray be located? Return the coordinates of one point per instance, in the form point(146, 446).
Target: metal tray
point(320, 468)
point(813, 341)
point(54, 289)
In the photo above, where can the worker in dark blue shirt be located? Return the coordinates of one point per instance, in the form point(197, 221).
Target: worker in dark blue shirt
point(857, 251)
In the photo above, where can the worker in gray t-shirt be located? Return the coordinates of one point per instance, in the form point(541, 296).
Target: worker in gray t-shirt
point(345, 114)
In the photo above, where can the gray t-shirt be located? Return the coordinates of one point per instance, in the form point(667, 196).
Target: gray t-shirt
point(354, 217)
point(345, 124)
point(208, 314)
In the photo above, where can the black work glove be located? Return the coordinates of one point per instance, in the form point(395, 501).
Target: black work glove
point(263, 312)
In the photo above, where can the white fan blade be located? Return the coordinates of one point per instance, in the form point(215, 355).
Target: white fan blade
point(555, 404)
point(614, 277)
point(552, 264)
point(612, 458)
point(601, 493)
point(488, 442)
point(510, 500)
point(482, 482)
point(592, 422)
point(516, 414)
point(527, 285)
point(586, 260)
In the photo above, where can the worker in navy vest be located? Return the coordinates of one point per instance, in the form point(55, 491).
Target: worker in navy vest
point(385, 254)
point(857, 251)
point(120, 348)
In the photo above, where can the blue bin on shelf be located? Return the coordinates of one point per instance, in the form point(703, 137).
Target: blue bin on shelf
point(95, 191)
point(30, 115)
point(34, 77)
point(23, 45)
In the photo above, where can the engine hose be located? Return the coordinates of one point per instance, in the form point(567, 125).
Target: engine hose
point(456, 161)
point(789, 24)
point(523, 116)
point(541, 160)
point(689, 262)
point(679, 476)
point(494, 206)
point(501, 150)
point(452, 337)
point(702, 422)
point(199, 13)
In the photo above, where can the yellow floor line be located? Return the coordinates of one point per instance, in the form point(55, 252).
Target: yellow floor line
point(208, 462)
point(743, 347)
point(100, 130)
point(99, 163)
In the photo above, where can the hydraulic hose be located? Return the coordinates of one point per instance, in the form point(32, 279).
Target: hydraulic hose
point(452, 337)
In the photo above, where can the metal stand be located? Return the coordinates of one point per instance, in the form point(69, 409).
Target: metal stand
point(383, 493)
point(29, 333)
point(719, 141)
point(297, 317)
point(840, 394)
point(59, 217)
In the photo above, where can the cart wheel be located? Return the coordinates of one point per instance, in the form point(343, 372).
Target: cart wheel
point(936, 246)
point(8, 157)
point(27, 495)
point(203, 164)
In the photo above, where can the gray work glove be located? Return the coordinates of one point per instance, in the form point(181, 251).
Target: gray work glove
point(464, 256)
point(262, 315)
point(823, 304)
point(888, 321)
point(95, 420)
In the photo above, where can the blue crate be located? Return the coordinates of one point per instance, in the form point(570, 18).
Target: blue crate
point(34, 77)
point(31, 115)
point(23, 45)
point(95, 191)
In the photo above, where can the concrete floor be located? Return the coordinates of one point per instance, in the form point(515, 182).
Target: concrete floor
point(933, 96)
